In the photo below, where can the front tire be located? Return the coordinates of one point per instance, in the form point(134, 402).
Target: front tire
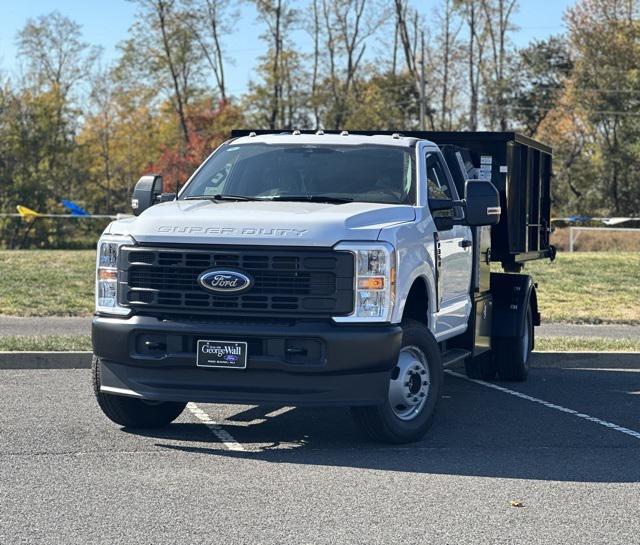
point(131, 412)
point(415, 389)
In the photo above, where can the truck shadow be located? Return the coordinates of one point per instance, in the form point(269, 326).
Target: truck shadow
point(477, 432)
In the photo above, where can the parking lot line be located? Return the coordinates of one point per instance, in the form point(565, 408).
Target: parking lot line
point(225, 437)
point(548, 404)
point(279, 412)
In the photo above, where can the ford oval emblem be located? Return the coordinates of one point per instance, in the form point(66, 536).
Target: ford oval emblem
point(224, 281)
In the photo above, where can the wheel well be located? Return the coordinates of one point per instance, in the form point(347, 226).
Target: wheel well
point(417, 302)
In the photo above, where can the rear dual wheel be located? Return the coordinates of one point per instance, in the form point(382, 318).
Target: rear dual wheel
point(414, 391)
point(512, 356)
point(508, 359)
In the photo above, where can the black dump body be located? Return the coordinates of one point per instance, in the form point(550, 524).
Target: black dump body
point(518, 166)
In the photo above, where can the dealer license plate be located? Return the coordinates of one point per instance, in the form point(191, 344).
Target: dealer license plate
point(226, 354)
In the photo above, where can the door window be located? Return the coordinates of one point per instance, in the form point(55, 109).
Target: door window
point(439, 186)
point(437, 182)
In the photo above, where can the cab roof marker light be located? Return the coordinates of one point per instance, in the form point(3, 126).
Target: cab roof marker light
point(344, 133)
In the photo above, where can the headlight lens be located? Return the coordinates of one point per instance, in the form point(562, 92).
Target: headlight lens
point(107, 274)
point(375, 278)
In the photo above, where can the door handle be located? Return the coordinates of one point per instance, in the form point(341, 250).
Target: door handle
point(465, 243)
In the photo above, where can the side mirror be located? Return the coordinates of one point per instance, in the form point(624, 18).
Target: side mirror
point(482, 203)
point(148, 191)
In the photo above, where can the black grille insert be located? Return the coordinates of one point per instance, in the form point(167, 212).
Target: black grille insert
point(286, 281)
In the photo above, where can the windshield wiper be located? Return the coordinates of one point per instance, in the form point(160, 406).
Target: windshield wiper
point(220, 197)
point(311, 198)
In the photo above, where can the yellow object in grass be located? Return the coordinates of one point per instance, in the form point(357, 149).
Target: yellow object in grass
point(27, 213)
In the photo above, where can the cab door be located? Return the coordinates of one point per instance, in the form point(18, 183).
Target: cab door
point(453, 247)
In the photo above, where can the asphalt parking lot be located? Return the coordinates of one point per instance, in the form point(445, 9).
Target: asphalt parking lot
point(268, 475)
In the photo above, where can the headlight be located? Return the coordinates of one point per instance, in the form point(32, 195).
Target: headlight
point(107, 274)
point(375, 281)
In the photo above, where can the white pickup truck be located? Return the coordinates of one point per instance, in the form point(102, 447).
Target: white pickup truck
point(324, 268)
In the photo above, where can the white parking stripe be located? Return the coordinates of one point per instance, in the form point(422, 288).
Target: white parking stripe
point(279, 412)
point(222, 434)
point(560, 408)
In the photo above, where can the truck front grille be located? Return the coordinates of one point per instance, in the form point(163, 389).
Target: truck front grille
point(286, 281)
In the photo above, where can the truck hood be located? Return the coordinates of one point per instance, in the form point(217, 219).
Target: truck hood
point(261, 223)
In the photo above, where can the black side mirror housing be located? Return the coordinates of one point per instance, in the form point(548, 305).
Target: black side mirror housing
point(482, 203)
point(146, 193)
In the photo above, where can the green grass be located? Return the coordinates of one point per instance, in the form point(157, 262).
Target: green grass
point(54, 343)
point(46, 282)
point(589, 287)
point(587, 344)
point(585, 287)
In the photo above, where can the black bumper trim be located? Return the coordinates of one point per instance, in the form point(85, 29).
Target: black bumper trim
point(351, 368)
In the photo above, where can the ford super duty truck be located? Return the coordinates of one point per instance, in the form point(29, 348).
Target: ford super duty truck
point(324, 268)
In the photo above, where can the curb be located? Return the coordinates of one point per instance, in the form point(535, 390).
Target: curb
point(82, 360)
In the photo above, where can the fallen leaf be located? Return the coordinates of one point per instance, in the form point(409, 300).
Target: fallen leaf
point(516, 503)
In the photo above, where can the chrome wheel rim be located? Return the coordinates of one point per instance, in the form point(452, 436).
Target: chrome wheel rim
point(410, 383)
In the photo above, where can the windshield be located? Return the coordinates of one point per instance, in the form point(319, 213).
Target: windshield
point(383, 174)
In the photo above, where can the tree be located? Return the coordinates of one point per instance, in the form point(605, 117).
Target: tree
point(543, 68)
point(385, 102)
point(497, 21)
point(101, 123)
point(277, 101)
point(605, 42)
point(347, 27)
point(56, 60)
point(446, 62)
point(163, 48)
point(55, 56)
point(574, 188)
point(407, 22)
point(315, 72)
point(210, 21)
point(475, 45)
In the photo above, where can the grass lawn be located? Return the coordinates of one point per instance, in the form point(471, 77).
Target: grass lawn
point(38, 343)
point(586, 344)
point(594, 287)
point(589, 287)
point(47, 282)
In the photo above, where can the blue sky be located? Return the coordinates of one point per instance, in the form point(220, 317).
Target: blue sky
point(106, 22)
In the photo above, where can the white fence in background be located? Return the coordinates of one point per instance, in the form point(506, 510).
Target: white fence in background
point(576, 230)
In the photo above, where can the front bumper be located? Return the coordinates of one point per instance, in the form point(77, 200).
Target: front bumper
point(292, 363)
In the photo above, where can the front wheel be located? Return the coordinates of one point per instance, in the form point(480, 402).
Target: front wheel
point(414, 391)
point(131, 412)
